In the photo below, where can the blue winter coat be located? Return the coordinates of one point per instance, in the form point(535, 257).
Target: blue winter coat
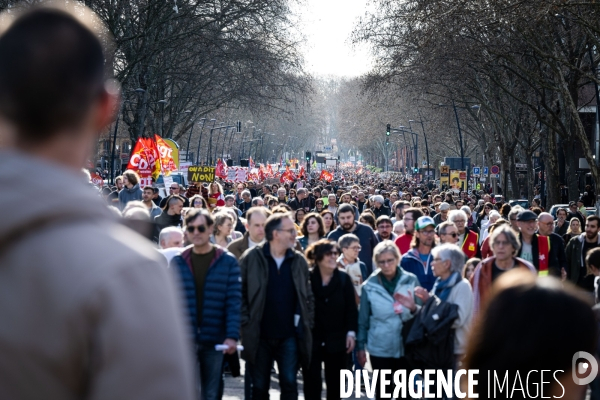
point(221, 310)
point(411, 262)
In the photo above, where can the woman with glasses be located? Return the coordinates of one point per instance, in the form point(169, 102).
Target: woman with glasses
point(312, 229)
point(486, 250)
point(448, 232)
point(505, 244)
point(381, 316)
point(318, 206)
point(448, 263)
point(198, 201)
point(349, 261)
point(335, 324)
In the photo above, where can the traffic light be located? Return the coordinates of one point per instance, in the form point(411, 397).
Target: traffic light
point(416, 170)
point(388, 130)
point(308, 156)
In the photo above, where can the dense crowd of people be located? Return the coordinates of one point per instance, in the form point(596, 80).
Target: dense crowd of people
point(333, 271)
point(122, 294)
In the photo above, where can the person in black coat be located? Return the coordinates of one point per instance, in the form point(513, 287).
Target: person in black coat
point(336, 320)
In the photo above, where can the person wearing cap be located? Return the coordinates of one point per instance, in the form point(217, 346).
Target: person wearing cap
point(581, 207)
point(418, 259)
point(536, 248)
point(442, 216)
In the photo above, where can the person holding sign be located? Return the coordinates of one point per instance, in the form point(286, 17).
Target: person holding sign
point(215, 195)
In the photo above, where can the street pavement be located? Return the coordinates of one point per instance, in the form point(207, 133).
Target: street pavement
point(234, 387)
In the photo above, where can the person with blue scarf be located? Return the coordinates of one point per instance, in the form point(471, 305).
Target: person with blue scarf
point(447, 264)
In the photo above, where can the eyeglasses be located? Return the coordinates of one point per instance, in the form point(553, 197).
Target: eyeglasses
point(200, 228)
point(454, 235)
point(332, 253)
point(501, 243)
point(459, 221)
point(431, 232)
point(174, 188)
point(388, 261)
point(357, 248)
point(291, 231)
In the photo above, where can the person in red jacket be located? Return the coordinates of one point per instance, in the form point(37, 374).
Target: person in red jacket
point(410, 216)
point(468, 240)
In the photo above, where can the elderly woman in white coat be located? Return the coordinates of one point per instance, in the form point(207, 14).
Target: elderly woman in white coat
point(447, 264)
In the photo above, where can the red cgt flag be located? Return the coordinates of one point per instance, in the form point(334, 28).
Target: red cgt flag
point(326, 175)
point(221, 169)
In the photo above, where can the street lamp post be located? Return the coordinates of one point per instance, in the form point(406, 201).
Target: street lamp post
point(426, 146)
point(225, 138)
point(209, 155)
point(114, 144)
point(162, 116)
point(142, 113)
point(187, 150)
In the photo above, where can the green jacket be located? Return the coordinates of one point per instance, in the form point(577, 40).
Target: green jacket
point(255, 275)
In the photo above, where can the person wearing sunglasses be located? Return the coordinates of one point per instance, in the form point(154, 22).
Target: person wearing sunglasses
point(210, 281)
point(448, 233)
point(175, 189)
point(336, 316)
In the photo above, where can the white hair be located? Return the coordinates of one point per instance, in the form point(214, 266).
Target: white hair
point(166, 232)
point(466, 209)
point(378, 198)
point(495, 213)
point(452, 215)
point(450, 252)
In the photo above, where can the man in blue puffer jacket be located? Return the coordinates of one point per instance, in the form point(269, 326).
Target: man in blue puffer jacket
point(212, 287)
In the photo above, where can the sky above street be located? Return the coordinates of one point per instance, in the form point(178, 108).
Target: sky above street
point(327, 25)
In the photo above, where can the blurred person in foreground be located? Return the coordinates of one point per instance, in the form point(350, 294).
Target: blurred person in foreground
point(103, 318)
point(546, 312)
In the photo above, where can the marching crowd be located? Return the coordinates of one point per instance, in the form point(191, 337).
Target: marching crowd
point(333, 271)
point(305, 275)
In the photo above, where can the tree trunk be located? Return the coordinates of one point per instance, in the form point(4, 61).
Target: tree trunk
point(550, 159)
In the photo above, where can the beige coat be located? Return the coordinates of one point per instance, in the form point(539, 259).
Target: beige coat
point(88, 309)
